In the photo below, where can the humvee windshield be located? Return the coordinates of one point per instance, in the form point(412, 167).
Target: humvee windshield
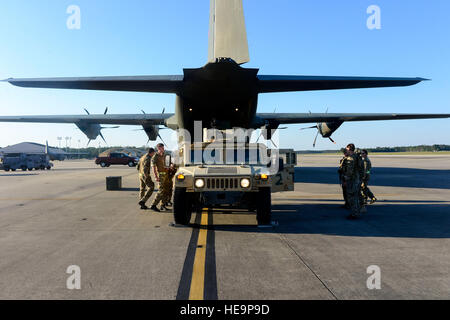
point(229, 156)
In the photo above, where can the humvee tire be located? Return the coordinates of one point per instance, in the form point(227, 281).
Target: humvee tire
point(182, 206)
point(24, 168)
point(103, 164)
point(264, 206)
point(131, 164)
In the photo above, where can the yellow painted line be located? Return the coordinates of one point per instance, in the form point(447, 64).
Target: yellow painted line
point(198, 273)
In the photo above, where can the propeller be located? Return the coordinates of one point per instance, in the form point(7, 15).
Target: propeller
point(93, 130)
point(323, 129)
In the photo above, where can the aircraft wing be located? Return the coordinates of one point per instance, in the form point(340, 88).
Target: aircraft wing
point(161, 84)
point(291, 118)
point(118, 119)
point(268, 83)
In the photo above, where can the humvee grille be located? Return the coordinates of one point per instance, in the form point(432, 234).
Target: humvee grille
point(222, 183)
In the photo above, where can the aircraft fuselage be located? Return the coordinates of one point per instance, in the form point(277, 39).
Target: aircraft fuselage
point(222, 95)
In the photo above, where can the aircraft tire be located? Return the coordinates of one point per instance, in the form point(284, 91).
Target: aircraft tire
point(182, 206)
point(264, 206)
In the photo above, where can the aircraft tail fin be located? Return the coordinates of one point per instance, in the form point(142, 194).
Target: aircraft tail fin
point(227, 32)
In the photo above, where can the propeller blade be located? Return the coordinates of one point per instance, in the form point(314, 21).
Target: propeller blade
point(283, 128)
point(159, 136)
point(143, 111)
point(273, 143)
point(315, 139)
point(102, 137)
point(110, 127)
point(88, 142)
point(106, 111)
point(164, 110)
point(332, 140)
point(314, 127)
point(259, 137)
point(86, 111)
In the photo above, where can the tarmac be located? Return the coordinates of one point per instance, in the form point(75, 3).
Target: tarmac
point(50, 220)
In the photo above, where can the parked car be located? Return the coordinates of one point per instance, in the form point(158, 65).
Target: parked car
point(116, 158)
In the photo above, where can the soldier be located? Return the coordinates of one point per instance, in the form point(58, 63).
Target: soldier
point(170, 176)
point(146, 184)
point(351, 175)
point(341, 180)
point(365, 191)
point(160, 171)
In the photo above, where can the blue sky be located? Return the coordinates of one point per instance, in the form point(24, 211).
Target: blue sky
point(294, 37)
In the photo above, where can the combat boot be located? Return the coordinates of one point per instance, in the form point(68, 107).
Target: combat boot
point(143, 206)
point(154, 208)
point(373, 200)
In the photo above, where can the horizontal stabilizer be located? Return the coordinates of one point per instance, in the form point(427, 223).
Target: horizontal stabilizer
point(161, 84)
point(275, 83)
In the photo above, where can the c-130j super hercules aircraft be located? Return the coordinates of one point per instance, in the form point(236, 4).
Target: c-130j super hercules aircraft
point(222, 94)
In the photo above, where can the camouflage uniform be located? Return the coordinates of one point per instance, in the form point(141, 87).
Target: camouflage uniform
point(365, 191)
point(145, 179)
point(158, 162)
point(341, 181)
point(351, 174)
point(170, 176)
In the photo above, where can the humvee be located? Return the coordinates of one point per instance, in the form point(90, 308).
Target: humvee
point(241, 176)
point(14, 161)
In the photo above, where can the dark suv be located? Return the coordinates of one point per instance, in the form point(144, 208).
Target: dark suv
point(116, 158)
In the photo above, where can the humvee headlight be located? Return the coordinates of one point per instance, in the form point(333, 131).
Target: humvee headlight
point(264, 177)
point(199, 183)
point(180, 177)
point(245, 183)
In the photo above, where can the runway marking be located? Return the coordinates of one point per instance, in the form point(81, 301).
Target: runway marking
point(198, 279)
point(198, 273)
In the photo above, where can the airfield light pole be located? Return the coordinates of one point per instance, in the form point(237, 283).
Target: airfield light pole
point(67, 139)
point(59, 140)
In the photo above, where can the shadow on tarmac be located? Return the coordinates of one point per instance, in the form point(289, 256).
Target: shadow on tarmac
point(388, 177)
point(382, 220)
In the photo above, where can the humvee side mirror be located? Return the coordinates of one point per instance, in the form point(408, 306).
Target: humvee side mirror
point(167, 160)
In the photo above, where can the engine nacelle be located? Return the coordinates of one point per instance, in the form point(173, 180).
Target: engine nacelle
point(152, 132)
point(326, 129)
point(91, 130)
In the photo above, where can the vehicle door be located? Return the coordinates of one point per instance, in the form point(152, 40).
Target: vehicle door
point(284, 179)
